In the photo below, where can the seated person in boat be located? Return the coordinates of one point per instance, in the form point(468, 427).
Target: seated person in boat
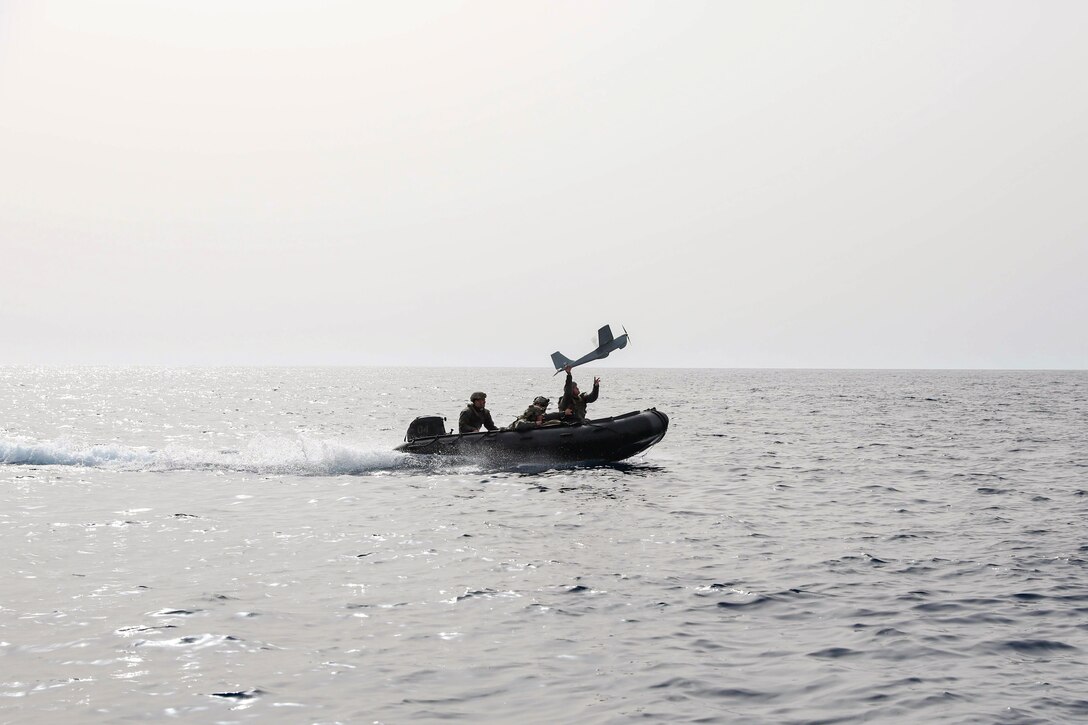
point(533, 417)
point(573, 403)
point(475, 415)
point(541, 402)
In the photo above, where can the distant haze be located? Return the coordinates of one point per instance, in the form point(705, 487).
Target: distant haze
point(740, 184)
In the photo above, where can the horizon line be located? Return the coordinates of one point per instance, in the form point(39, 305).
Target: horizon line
point(798, 368)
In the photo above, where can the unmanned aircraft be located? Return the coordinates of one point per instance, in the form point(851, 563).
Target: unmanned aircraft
point(606, 344)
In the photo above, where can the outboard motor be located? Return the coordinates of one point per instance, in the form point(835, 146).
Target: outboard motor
point(426, 426)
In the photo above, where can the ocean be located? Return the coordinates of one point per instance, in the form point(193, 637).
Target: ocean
point(237, 545)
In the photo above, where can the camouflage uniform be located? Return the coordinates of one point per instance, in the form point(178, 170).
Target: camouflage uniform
point(527, 420)
point(541, 402)
point(577, 402)
point(473, 418)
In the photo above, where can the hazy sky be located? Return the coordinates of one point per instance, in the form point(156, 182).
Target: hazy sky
point(741, 184)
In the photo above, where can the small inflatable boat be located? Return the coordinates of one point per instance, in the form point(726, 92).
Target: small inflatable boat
point(599, 440)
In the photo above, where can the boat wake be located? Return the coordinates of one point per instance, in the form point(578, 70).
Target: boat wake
point(266, 455)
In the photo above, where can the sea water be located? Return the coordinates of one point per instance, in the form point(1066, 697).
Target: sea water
point(241, 545)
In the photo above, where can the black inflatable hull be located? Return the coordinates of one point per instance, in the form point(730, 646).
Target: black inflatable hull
point(604, 440)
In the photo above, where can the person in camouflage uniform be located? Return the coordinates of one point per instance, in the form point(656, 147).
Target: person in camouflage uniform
point(573, 403)
point(533, 417)
point(475, 415)
point(541, 402)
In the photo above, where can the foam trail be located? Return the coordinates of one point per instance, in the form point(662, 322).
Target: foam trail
point(266, 455)
point(69, 453)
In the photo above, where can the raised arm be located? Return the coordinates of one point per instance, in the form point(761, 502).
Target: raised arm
point(595, 392)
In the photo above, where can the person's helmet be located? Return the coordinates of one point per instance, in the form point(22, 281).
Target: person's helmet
point(477, 396)
point(541, 401)
point(533, 411)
